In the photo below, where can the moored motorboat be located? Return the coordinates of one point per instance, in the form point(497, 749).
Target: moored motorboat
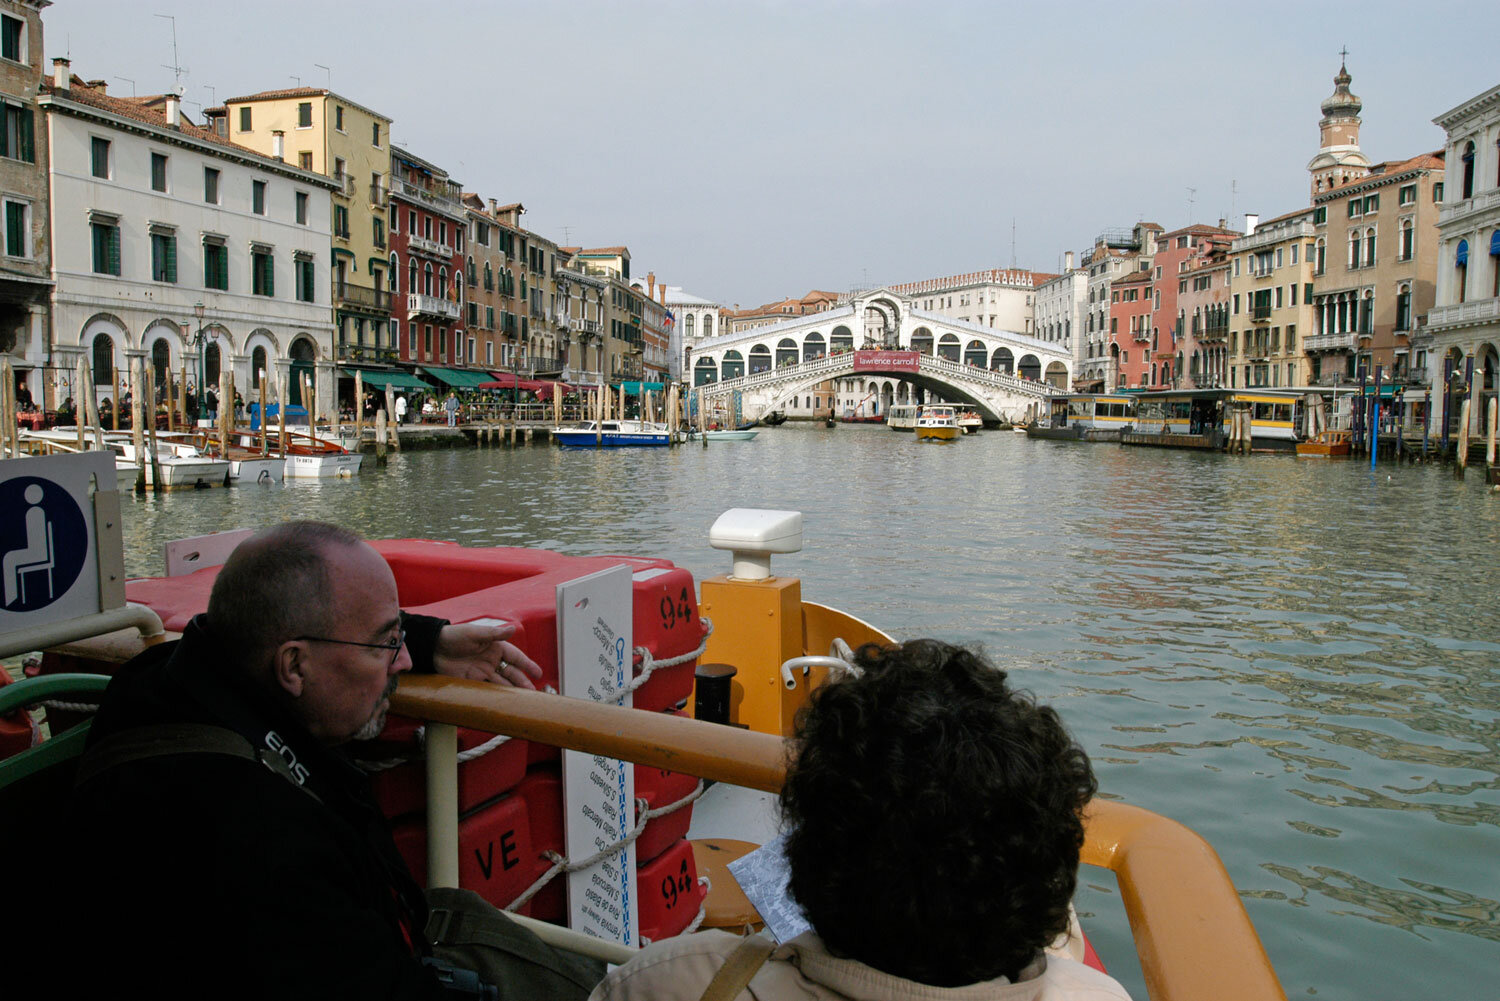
point(937, 422)
point(306, 456)
point(176, 456)
point(969, 422)
point(1330, 444)
point(734, 434)
point(775, 418)
point(56, 441)
point(902, 417)
point(613, 434)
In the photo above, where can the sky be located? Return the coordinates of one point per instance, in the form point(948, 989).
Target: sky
point(752, 151)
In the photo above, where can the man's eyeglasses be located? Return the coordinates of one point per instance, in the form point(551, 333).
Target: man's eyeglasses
point(394, 644)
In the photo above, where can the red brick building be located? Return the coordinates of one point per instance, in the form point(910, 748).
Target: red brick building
point(427, 227)
point(1130, 310)
point(1178, 252)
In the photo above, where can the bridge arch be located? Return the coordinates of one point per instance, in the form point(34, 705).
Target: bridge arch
point(976, 354)
point(840, 340)
point(760, 359)
point(733, 365)
point(921, 340)
point(705, 372)
point(1057, 375)
point(786, 352)
point(813, 346)
point(947, 347)
point(1030, 368)
point(1003, 361)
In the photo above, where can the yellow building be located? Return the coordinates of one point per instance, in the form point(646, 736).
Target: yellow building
point(1270, 315)
point(321, 131)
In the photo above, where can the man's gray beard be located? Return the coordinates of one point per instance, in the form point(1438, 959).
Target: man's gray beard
point(376, 723)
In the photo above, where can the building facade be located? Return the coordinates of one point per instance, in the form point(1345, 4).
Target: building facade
point(1061, 308)
point(428, 225)
point(174, 245)
point(1117, 254)
point(1462, 334)
point(1003, 298)
point(1204, 304)
point(1271, 285)
point(1339, 159)
point(326, 133)
point(1178, 252)
point(26, 271)
point(1130, 337)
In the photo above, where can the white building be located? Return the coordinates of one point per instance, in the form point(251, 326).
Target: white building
point(1000, 297)
point(176, 246)
point(695, 319)
point(1464, 323)
point(1117, 254)
point(1061, 308)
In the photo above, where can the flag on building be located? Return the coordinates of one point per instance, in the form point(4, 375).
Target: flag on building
point(670, 321)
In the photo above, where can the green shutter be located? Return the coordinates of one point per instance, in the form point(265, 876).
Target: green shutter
point(171, 248)
point(222, 268)
point(270, 275)
point(26, 140)
point(114, 251)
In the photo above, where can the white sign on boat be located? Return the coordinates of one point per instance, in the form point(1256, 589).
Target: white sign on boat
point(595, 657)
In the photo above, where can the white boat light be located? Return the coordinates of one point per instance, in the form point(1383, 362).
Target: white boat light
point(753, 535)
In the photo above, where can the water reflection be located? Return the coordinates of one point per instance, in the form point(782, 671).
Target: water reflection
point(1296, 659)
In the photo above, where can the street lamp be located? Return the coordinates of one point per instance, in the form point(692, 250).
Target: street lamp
point(200, 340)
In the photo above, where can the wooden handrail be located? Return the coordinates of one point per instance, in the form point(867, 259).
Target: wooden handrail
point(1193, 937)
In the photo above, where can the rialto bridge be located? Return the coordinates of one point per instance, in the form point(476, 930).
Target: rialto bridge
point(998, 372)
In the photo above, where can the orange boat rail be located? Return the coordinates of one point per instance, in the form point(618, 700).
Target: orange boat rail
point(1193, 937)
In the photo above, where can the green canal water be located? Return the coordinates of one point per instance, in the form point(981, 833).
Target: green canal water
point(1298, 659)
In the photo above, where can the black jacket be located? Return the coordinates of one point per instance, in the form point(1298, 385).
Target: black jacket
point(213, 876)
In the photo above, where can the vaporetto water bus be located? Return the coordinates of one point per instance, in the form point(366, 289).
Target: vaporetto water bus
point(902, 416)
point(720, 669)
point(1088, 417)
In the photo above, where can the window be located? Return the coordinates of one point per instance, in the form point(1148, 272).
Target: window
point(262, 272)
point(210, 185)
point(375, 135)
point(1322, 259)
point(1468, 176)
point(1356, 207)
point(302, 208)
point(1320, 215)
point(1372, 204)
point(1461, 270)
point(378, 231)
point(1408, 239)
point(1437, 192)
point(158, 172)
point(99, 157)
point(1369, 248)
point(244, 119)
point(341, 221)
point(304, 159)
point(1403, 308)
point(1295, 248)
point(215, 264)
point(304, 115)
point(104, 360)
point(1293, 290)
point(338, 117)
point(12, 38)
point(306, 277)
point(1278, 257)
point(258, 197)
point(16, 134)
point(339, 169)
point(106, 239)
point(1407, 195)
point(17, 229)
point(164, 257)
point(1353, 248)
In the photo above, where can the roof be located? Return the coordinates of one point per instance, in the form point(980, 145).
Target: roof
point(137, 111)
point(601, 251)
point(1283, 217)
point(1390, 168)
point(279, 95)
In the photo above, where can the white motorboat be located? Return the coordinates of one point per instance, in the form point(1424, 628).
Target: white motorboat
point(612, 434)
point(182, 463)
point(56, 441)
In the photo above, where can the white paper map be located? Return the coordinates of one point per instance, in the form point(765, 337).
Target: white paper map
point(765, 876)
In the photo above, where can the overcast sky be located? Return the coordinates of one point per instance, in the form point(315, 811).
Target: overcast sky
point(752, 151)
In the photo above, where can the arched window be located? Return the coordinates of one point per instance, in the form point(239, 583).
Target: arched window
point(395, 275)
point(427, 280)
point(1468, 160)
point(687, 325)
point(473, 275)
point(1408, 237)
point(104, 360)
point(211, 365)
point(458, 289)
point(489, 277)
point(442, 283)
point(1367, 313)
point(1354, 248)
point(1370, 247)
point(708, 325)
point(1322, 259)
point(411, 276)
point(1403, 306)
point(1461, 270)
point(161, 361)
point(257, 366)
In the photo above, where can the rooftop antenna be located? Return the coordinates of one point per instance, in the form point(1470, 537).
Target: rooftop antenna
point(1192, 197)
point(213, 95)
point(1013, 243)
point(176, 66)
point(296, 78)
point(567, 236)
point(1233, 191)
point(328, 71)
point(129, 81)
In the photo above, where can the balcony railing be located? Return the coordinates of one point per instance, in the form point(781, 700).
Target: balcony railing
point(427, 246)
point(367, 352)
point(346, 185)
point(430, 305)
point(359, 295)
point(589, 326)
point(1448, 214)
point(538, 313)
point(1143, 335)
point(1477, 311)
point(1260, 313)
point(1214, 332)
point(380, 195)
point(1342, 341)
point(441, 198)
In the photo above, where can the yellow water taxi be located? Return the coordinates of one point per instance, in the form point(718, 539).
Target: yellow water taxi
point(938, 423)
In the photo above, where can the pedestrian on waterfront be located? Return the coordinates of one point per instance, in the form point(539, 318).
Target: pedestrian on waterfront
point(211, 404)
point(239, 405)
point(450, 406)
point(249, 859)
point(400, 409)
point(23, 398)
point(190, 404)
point(934, 821)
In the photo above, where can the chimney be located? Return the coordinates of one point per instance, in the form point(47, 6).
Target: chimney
point(1068, 261)
point(1222, 221)
point(1252, 219)
point(495, 207)
point(174, 111)
point(278, 144)
point(650, 284)
point(102, 86)
point(61, 78)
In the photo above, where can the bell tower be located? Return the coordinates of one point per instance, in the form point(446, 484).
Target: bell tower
point(1339, 159)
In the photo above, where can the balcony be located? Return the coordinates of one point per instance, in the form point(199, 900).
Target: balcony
point(538, 313)
point(1417, 376)
point(346, 185)
point(430, 305)
point(1260, 313)
point(1343, 341)
point(1213, 332)
point(439, 197)
point(589, 326)
point(1450, 214)
point(423, 245)
point(1141, 336)
point(367, 353)
point(380, 196)
point(1464, 314)
point(349, 294)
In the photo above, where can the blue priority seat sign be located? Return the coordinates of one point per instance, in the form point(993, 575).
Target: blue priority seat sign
point(48, 567)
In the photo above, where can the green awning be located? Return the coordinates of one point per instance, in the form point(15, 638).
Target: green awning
point(379, 378)
point(457, 378)
point(634, 388)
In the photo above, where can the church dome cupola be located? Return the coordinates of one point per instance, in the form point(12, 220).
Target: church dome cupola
point(1341, 104)
point(1339, 159)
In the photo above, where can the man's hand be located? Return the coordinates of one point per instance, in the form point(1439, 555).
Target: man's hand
point(480, 653)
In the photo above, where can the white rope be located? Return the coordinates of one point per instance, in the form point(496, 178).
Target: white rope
point(71, 707)
point(650, 664)
point(482, 749)
point(560, 864)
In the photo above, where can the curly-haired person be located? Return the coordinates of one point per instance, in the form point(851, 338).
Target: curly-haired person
point(934, 820)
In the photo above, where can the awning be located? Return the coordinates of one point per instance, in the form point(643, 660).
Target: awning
point(457, 378)
point(634, 388)
point(1495, 243)
point(1462, 256)
point(508, 380)
point(379, 378)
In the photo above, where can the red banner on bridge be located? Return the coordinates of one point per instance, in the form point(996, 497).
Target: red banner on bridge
point(887, 361)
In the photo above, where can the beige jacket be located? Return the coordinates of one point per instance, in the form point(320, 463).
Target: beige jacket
point(678, 969)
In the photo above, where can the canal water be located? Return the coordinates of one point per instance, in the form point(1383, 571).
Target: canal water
point(1299, 659)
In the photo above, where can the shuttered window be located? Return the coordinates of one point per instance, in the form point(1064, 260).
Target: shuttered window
point(16, 225)
point(16, 141)
point(215, 265)
point(163, 257)
point(262, 273)
point(106, 239)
